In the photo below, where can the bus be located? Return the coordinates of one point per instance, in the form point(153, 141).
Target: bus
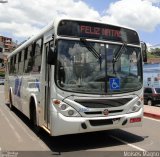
point(78, 76)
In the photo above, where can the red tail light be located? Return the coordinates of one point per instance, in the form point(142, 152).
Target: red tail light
point(155, 95)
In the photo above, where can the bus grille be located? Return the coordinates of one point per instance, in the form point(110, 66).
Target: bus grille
point(102, 122)
point(103, 103)
point(101, 112)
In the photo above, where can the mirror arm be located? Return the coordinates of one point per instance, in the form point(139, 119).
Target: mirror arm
point(51, 58)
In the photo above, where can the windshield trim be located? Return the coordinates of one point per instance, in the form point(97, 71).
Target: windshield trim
point(97, 41)
point(106, 91)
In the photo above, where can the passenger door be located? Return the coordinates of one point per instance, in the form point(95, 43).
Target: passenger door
point(47, 87)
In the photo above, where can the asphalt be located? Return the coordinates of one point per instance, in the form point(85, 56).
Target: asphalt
point(152, 111)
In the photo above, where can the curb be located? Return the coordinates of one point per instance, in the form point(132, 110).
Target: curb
point(152, 115)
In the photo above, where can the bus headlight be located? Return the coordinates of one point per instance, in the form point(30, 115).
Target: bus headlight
point(65, 109)
point(71, 112)
point(63, 106)
point(136, 107)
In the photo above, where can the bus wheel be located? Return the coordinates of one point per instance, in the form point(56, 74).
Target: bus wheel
point(10, 102)
point(33, 118)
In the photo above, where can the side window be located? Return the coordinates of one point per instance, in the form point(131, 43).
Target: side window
point(28, 59)
point(11, 67)
point(15, 64)
point(148, 90)
point(145, 90)
point(21, 62)
point(37, 56)
point(25, 60)
point(31, 58)
point(19, 57)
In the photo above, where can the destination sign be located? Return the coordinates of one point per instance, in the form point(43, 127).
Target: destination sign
point(100, 31)
point(97, 31)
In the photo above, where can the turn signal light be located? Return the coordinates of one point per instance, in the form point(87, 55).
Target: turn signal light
point(56, 102)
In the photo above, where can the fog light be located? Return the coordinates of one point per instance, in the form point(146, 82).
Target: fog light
point(134, 108)
point(138, 103)
point(70, 112)
point(84, 126)
point(124, 122)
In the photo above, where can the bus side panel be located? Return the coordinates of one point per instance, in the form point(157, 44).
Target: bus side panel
point(30, 86)
point(24, 96)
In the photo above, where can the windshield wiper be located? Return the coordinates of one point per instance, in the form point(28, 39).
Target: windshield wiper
point(118, 55)
point(92, 50)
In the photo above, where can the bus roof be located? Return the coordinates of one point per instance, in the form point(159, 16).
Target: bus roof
point(57, 20)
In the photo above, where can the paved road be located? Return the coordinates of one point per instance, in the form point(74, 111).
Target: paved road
point(16, 134)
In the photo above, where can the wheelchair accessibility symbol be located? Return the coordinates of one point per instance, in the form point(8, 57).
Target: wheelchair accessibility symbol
point(114, 83)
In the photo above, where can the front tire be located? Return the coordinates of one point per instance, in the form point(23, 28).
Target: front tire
point(11, 102)
point(149, 102)
point(33, 118)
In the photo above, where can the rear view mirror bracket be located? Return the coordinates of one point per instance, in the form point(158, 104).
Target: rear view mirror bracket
point(144, 51)
point(51, 58)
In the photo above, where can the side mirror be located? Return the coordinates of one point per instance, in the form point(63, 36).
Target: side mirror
point(144, 51)
point(51, 58)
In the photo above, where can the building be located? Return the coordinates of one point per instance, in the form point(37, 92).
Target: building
point(6, 43)
point(6, 47)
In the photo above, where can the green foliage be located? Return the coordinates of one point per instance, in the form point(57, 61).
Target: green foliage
point(2, 74)
point(155, 53)
point(157, 49)
point(152, 55)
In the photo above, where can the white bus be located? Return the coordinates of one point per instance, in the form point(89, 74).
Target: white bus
point(78, 76)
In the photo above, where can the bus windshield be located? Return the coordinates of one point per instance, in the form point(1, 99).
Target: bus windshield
point(78, 69)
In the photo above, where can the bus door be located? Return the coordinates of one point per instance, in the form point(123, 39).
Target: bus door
point(47, 87)
point(6, 82)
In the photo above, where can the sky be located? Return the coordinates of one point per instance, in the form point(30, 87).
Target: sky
point(20, 19)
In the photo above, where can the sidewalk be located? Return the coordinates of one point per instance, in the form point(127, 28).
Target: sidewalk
point(152, 111)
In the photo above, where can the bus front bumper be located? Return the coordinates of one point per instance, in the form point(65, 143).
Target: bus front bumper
point(62, 125)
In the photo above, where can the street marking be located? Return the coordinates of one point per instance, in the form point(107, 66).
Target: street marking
point(131, 145)
point(43, 145)
point(152, 119)
point(12, 127)
point(25, 130)
point(20, 125)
